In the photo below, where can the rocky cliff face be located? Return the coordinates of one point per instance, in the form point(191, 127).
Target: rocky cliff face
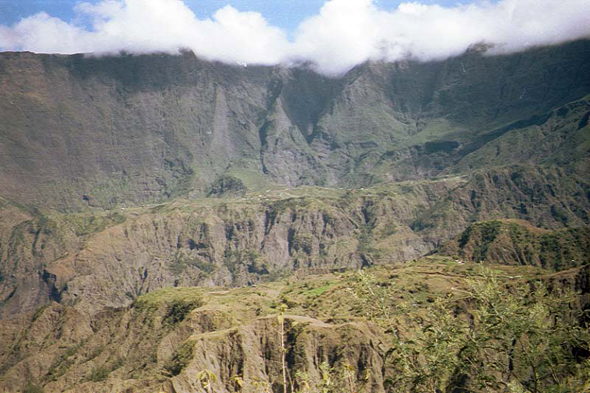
point(78, 131)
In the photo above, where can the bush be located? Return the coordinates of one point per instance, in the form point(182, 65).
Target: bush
point(180, 358)
point(178, 310)
point(487, 338)
point(99, 373)
point(32, 388)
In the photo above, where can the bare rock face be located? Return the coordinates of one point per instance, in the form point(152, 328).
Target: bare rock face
point(29, 242)
point(245, 351)
point(216, 242)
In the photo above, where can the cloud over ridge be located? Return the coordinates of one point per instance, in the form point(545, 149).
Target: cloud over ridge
point(343, 34)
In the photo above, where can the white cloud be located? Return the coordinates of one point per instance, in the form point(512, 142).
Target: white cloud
point(347, 32)
point(143, 26)
point(343, 34)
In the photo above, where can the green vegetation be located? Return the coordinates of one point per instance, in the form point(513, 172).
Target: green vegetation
point(180, 359)
point(518, 242)
point(227, 186)
point(61, 363)
point(440, 325)
point(170, 297)
point(319, 291)
point(99, 373)
point(478, 334)
point(179, 309)
point(487, 338)
point(38, 312)
point(87, 224)
point(207, 378)
point(340, 379)
point(252, 179)
point(32, 388)
point(251, 259)
point(181, 262)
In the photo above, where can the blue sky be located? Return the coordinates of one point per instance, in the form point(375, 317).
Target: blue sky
point(286, 14)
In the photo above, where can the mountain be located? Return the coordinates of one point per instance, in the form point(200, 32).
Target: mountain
point(118, 131)
point(135, 191)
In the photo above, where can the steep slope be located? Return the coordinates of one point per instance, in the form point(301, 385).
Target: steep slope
point(166, 337)
point(110, 258)
point(78, 131)
point(517, 242)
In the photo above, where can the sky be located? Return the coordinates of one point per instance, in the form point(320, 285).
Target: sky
point(332, 35)
point(286, 14)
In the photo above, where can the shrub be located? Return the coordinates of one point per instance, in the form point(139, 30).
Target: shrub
point(180, 358)
point(32, 388)
point(501, 339)
point(99, 373)
point(178, 310)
